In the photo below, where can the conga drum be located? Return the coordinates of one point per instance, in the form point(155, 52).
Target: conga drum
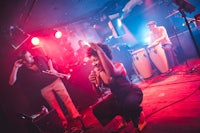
point(142, 63)
point(158, 57)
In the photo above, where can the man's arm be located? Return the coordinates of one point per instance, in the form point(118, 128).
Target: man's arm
point(51, 68)
point(13, 75)
point(164, 34)
point(162, 37)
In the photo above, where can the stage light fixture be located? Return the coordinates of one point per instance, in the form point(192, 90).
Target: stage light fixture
point(58, 34)
point(147, 40)
point(35, 41)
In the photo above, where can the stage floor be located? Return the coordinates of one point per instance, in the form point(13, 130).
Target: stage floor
point(171, 104)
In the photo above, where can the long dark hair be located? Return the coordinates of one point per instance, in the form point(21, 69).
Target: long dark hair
point(104, 47)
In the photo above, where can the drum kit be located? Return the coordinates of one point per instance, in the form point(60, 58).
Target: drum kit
point(143, 57)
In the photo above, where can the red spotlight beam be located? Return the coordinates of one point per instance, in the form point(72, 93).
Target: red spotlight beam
point(40, 46)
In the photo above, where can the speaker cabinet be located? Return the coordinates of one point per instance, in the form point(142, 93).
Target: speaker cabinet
point(17, 37)
point(49, 123)
point(106, 110)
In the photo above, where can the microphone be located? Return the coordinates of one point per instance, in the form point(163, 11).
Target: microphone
point(95, 84)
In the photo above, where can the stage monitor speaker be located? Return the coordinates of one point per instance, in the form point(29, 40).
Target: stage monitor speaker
point(49, 123)
point(116, 26)
point(106, 110)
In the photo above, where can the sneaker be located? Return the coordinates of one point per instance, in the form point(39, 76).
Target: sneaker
point(79, 117)
point(141, 126)
point(65, 125)
point(76, 130)
point(122, 125)
point(66, 131)
point(142, 122)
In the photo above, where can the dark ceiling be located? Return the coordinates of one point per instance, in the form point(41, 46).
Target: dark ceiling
point(33, 15)
point(37, 14)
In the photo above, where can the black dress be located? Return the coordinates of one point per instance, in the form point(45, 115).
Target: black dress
point(125, 100)
point(128, 95)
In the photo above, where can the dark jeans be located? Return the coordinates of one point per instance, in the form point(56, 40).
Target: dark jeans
point(170, 54)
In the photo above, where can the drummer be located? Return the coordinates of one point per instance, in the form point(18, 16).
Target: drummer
point(158, 35)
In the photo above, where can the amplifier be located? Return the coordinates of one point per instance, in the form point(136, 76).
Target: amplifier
point(49, 123)
point(106, 110)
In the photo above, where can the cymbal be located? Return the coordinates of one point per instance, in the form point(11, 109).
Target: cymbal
point(173, 13)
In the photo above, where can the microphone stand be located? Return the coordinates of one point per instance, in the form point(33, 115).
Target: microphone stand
point(176, 35)
point(190, 31)
point(193, 39)
point(179, 44)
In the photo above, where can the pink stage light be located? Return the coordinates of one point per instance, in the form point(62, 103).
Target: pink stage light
point(58, 34)
point(35, 40)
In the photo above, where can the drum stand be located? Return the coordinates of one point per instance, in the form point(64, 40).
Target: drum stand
point(193, 39)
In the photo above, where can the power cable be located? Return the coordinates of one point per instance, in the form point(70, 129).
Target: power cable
point(184, 98)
